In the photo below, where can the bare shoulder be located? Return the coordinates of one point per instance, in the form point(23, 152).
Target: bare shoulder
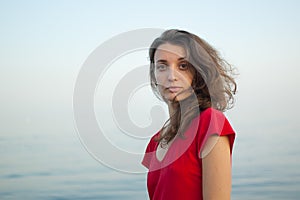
point(216, 146)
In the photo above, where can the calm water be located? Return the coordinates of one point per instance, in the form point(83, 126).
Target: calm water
point(56, 166)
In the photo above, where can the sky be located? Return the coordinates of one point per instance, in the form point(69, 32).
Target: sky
point(44, 45)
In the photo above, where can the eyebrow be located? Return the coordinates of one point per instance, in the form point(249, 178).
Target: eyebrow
point(165, 61)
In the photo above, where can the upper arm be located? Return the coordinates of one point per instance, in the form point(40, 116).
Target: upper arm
point(216, 166)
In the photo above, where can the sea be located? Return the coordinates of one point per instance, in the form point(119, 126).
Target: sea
point(46, 165)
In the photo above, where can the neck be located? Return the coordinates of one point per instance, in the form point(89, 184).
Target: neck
point(184, 105)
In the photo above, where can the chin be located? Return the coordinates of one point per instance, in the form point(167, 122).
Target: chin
point(174, 98)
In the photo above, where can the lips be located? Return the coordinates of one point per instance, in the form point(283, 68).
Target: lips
point(174, 89)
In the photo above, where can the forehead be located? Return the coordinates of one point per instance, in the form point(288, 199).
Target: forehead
point(169, 52)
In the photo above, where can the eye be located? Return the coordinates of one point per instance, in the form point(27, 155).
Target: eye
point(161, 67)
point(184, 66)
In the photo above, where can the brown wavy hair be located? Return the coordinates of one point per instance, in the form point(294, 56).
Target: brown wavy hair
point(213, 83)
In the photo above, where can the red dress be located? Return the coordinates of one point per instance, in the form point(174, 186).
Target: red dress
point(179, 175)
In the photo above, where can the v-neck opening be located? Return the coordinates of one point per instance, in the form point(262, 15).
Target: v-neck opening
point(167, 151)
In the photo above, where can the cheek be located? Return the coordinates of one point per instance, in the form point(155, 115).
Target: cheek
point(189, 78)
point(160, 78)
point(186, 78)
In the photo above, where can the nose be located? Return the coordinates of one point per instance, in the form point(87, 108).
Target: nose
point(172, 75)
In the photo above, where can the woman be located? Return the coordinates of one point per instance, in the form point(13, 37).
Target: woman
point(190, 157)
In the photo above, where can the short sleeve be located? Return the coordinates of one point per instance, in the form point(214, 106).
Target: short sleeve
point(149, 152)
point(214, 122)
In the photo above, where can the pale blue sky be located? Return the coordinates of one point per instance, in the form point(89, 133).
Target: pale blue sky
point(44, 43)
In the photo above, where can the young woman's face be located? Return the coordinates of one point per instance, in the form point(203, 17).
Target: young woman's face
point(172, 72)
